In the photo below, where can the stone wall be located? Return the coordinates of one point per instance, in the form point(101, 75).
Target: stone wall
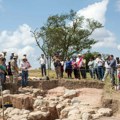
point(50, 84)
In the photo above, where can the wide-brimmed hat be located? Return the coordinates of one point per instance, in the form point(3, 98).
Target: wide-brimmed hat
point(24, 58)
point(79, 54)
point(15, 56)
point(1, 55)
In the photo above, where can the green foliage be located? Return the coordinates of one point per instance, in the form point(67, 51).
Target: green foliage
point(66, 33)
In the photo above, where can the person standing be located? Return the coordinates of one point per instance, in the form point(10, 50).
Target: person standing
point(14, 68)
point(68, 68)
point(2, 69)
point(107, 68)
point(79, 63)
point(95, 69)
point(113, 66)
point(43, 65)
point(24, 66)
point(57, 65)
point(4, 64)
point(100, 63)
point(62, 68)
point(91, 65)
point(9, 72)
point(75, 69)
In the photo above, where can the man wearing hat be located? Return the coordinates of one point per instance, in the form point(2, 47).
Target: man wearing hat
point(14, 68)
point(24, 66)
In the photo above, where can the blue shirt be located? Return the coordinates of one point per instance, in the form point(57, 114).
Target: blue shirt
point(69, 64)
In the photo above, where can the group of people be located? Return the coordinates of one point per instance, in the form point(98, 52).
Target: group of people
point(76, 65)
point(101, 68)
point(13, 70)
point(98, 67)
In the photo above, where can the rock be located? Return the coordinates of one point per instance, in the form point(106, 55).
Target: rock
point(39, 97)
point(65, 111)
point(75, 100)
point(75, 117)
point(15, 111)
point(67, 101)
point(96, 116)
point(39, 103)
point(22, 101)
point(14, 117)
point(61, 98)
point(38, 115)
point(70, 94)
point(53, 98)
point(44, 109)
point(35, 115)
point(38, 92)
point(105, 112)
point(6, 92)
point(73, 112)
point(25, 111)
point(53, 111)
point(8, 110)
point(60, 107)
point(86, 116)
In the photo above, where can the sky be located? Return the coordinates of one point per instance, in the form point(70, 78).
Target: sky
point(18, 18)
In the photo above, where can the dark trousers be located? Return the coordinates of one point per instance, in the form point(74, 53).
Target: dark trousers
point(76, 74)
point(69, 73)
point(83, 72)
point(112, 75)
point(43, 69)
point(24, 78)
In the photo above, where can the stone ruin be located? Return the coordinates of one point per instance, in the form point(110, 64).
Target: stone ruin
point(56, 100)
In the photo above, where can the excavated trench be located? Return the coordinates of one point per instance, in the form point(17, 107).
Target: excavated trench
point(54, 99)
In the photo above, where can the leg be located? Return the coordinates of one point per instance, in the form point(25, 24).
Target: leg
point(112, 73)
point(23, 79)
point(42, 70)
point(45, 69)
point(81, 71)
point(26, 78)
point(90, 71)
point(106, 74)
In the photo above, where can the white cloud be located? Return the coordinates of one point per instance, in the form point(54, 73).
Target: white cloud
point(118, 47)
point(97, 11)
point(118, 5)
point(20, 37)
point(19, 41)
point(105, 38)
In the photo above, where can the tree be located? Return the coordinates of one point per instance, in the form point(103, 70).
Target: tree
point(67, 34)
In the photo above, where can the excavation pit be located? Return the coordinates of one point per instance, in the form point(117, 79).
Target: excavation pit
point(55, 100)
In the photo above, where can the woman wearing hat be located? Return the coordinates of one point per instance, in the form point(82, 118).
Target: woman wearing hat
point(2, 69)
point(25, 65)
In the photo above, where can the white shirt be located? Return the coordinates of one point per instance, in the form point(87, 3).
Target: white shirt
point(25, 65)
point(106, 65)
point(42, 61)
point(99, 61)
